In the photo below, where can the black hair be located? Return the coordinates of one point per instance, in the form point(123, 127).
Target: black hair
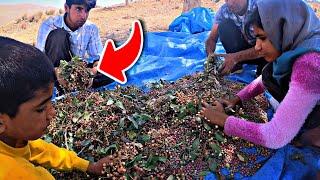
point(23, 70)
point(89, 3)
point(253, 19)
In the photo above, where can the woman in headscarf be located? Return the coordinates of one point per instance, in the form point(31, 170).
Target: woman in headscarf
point(288, 36)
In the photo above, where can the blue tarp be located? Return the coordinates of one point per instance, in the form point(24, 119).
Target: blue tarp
point(171, 55)
point(198, 20)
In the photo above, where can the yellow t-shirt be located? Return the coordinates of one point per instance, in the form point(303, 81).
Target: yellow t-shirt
point(29, 162)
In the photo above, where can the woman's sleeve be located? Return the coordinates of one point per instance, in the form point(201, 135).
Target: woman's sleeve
point(255, 88)
point(302, 97)
point(51, 156)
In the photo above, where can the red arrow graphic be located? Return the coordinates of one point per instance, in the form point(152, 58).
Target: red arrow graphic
point(115, 61)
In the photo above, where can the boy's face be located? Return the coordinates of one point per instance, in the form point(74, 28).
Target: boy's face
point(77, 15)
point(32, 119)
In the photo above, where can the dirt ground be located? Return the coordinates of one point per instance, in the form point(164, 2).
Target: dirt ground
point(115, 22)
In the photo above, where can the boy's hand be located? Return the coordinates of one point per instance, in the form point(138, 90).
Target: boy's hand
point(97, 168)
point(93, 71)
point(60, 79)
point(94, 68)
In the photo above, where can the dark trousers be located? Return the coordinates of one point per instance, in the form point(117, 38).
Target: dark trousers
point(58, 48)
point(233, 41)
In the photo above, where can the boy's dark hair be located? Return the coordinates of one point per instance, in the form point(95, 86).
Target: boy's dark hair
point(89, 3)
point(23, 70)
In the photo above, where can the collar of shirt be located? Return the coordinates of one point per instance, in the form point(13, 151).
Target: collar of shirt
point(62, 23)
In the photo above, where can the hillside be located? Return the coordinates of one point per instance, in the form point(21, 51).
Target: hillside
point(113, 22)
point(9, 13)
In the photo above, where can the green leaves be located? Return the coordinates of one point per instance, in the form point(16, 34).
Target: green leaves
point(121, 122)
point(112, 149)
point(207, 126)
point(152, 162)
point(242, 157)
point(175, 107)
point(148, 127)
point(87, 115)
point(192, 108)
point(120, 105)
point(86, 142)
point(110, 101)
point(195, 144)
point(48, 139)
point(215, 147)
point(204, 173)
point(218, 137)
point(213, 166)
point(144, 117)
point(76, 73)
point(76, 117)
point(132, 135)
point(136, 120)
point(298, 156)
point(146, 138)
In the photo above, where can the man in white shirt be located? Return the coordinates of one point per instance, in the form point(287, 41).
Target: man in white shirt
point(71, 34)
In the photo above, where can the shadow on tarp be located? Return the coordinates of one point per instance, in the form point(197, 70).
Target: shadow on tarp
point(171, 55)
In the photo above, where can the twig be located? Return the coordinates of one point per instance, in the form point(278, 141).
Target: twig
point(83, 148)
point(66, 139)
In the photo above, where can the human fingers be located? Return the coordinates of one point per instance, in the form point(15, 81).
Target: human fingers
point(217, 103)
point(226, 70)
point(222, 55)
point(218, 106)
point(221, 67)
point(206, 105)
point(225, 102)
point(94, 70)
point(210, 54)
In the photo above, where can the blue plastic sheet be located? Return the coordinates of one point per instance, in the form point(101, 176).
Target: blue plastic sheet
point(198, 20)
point(168, 56)
point(171, 55)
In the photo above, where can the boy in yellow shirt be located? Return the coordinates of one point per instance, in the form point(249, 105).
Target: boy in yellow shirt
point(26, 87)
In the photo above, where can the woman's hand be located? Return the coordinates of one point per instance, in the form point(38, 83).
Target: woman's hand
point(230, 103)
point(97, 168)
point(214, 114)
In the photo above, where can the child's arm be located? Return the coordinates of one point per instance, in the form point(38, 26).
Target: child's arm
point(302, 97)
point(255, 88)
point(50, 156)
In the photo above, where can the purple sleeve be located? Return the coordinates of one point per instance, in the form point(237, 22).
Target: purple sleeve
point(255, 88)
point(302, 97)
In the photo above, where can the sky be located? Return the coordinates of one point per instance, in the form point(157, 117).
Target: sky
point(57, 3)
